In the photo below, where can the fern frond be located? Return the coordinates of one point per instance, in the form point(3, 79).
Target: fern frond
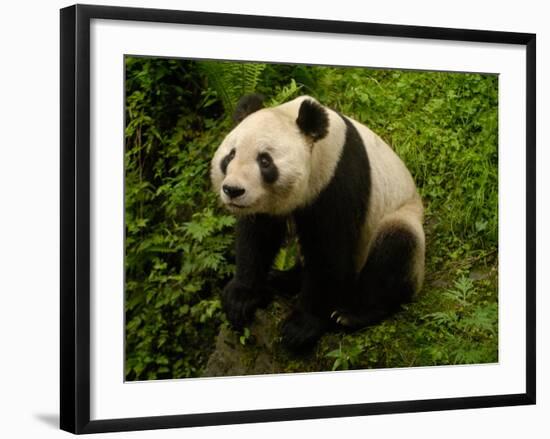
point(231, 80)
point(285, 93)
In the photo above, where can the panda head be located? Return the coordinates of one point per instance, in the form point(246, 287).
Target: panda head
point(264, 165)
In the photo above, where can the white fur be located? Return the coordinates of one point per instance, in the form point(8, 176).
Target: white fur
point(394, 199)
point(304, 166)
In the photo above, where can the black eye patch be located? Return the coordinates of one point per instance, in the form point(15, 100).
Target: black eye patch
point(225, 161)
point(268, 169)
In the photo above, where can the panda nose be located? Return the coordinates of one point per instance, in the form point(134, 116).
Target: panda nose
point(232, 191)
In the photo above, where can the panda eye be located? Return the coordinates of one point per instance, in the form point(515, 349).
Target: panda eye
point(265, 160)
point(225, 161)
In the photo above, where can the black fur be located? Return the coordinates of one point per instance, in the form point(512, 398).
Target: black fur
point(328, 232)
point(268, 169)
point(302, 329)
point(313, 120)
point(247, 105)
point(287, 283)
point(385, 282)
point(226, 160)
point(259, 237)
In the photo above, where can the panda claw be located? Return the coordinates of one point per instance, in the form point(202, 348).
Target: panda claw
point(339, 318)
point(342, 318)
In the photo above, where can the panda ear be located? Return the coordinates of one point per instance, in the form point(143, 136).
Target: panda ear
point(247, 105)
point(313, 119)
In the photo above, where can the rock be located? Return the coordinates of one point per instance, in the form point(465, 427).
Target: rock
point(256, 357)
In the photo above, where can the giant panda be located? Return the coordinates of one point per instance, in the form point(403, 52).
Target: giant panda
point(352, 203)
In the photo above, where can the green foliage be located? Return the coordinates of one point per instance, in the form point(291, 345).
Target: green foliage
point(287, 256)
point(285, 93)
point(465, 327)
point(345, 358)
point(179, 243)
point(243, 339)
point(230, 81)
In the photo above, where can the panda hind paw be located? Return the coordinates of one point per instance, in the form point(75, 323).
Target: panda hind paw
point(300, 331)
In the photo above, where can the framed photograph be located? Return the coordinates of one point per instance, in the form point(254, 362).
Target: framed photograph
point(275, 218)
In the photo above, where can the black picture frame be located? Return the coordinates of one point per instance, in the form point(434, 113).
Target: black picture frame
point(75, 217)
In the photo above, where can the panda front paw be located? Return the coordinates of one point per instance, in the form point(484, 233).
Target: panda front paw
point(301, 330)
point(239, 302)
